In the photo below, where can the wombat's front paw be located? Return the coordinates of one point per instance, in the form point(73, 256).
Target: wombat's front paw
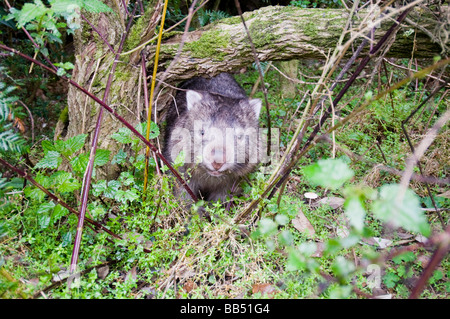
point(202, 213)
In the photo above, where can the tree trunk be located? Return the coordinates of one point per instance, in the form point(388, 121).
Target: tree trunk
point(279, 33)
point(93, 62)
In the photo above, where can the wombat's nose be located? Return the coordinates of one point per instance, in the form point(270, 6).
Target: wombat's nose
point(216, 166)
point(218, 158)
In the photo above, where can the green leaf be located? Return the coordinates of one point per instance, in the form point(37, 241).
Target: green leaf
point(51, 160)
point(108, 189)
point(267, 226)
point(123, 135)
point(329, 173)
point(342, 267)
point(126, 178)
point(29, 12)
point(286, 238)
point(79, 163)
point(73, 144)
point(48, 146)
point(44, 221)
point(405, 213)
point(66, 239)
point(355, 211)
point(99, 188)
point(59, 212)
point(94, 6)
point(45, 207)
point(101, 157)
point(65, 182)
point(281, 219)
point(34, 193)
point(119, 158)
point(127, 195)
point(154, 130)
point(390, 280)
point(65, 6)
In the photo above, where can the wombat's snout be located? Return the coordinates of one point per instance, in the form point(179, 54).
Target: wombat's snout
point(218, 156)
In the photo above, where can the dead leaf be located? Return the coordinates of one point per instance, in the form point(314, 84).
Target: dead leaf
point(383, 243)
point(265, 289)
point(320, 247)
point(189, 286)
point(424, 260)
point(421, 239)
point(19, 124)
point(302, 224)
point(404, 235)
point(103, 271)
point(445, 195)
point(131, 275)
point(333, 202)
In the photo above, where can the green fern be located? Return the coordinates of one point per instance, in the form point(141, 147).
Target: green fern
point(10, 141)
point(208, 16)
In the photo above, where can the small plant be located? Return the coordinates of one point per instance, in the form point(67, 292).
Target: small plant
point(10, 140)
point(361, 203)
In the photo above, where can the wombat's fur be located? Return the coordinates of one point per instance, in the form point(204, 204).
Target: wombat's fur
point(216, 126)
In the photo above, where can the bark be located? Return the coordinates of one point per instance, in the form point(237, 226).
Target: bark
point(93, 62)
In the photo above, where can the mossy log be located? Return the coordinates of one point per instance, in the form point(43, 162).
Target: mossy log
point(279, 33)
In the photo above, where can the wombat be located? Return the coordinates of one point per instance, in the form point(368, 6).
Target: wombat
point(215, 124)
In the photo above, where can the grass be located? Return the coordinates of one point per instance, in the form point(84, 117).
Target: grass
point(192, 258)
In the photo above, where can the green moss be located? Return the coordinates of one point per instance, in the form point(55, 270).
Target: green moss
point(135, 35)
point(261, 33)
point(231, 20)
point(64, 116)
point(210, 44)
point(310, 29)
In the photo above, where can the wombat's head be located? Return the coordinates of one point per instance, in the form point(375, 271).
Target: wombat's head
point(223, 131)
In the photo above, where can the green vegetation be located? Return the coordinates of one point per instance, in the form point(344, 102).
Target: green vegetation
point(343, 227)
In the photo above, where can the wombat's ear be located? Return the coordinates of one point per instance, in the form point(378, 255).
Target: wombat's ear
point(256, 106)
point(192, 98)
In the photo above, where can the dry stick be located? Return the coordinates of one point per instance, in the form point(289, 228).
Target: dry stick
point(389, 83)
point(435, 108)
point(412, 149)
point(319, 105)
point(110, 110)
point(146, 105)
point(53, 197)
point(261, 76)
point(417, 154)
point(438, 255)
point(90, 167)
